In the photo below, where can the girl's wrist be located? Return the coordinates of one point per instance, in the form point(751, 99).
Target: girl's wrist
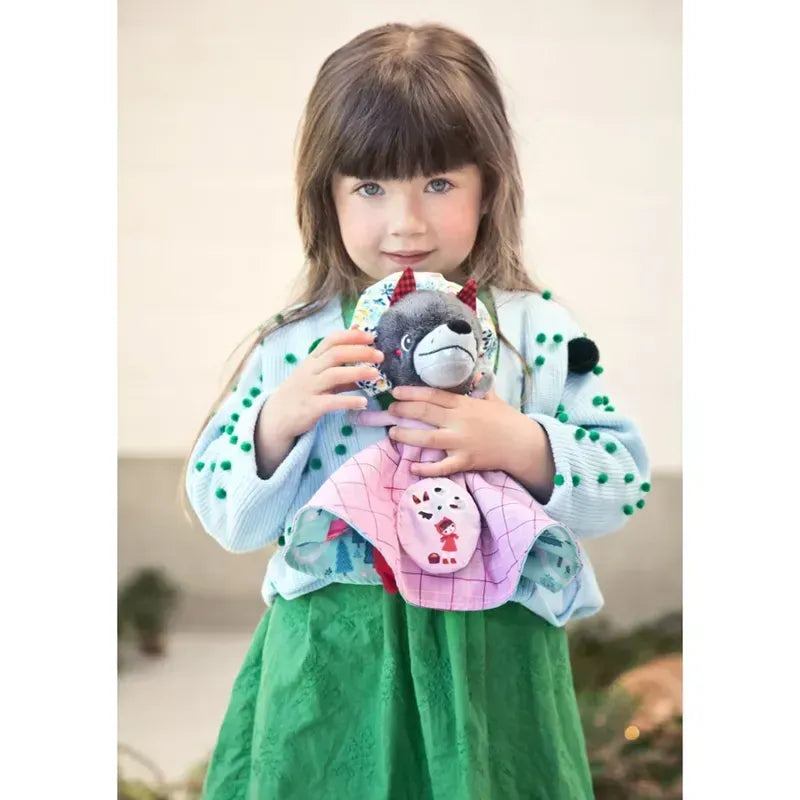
point(272, 441)
point(529, 458)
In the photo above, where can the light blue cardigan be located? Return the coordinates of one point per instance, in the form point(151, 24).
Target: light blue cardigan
point(602, 467)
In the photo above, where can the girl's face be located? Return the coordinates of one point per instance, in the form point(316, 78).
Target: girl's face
point(428, 223)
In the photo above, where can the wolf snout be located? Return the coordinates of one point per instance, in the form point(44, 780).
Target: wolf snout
point(459, 326)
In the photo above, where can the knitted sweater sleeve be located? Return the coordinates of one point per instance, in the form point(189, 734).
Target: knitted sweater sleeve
point(239, 509)
point(601, 463)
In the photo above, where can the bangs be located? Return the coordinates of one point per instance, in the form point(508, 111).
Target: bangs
point(388, 132)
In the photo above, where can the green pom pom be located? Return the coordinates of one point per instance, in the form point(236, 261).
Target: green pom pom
point(222, 429)
point(247, 402)
point(602, 478)
point(539, 361)
point(199, 466)
point(260, 378)
point(281, 540)
point(558, 338)
point(291, 358)
point(226, 465)
point(255, 391)
point(611, 447)
point(213, 465)
point(597, 401)
point(576, 479)
point(347, 430)
point(547, 294)
point(279, 318)
point(541, 338)
point(598, 370)
point(562, 417)
point(559, 480)
point(221, 493)
point(235, 417)
point(235, 388)
point(233, 439)
point(560, 408)
point(340, 449)
point(315, 463)
point(627, 509)
point(314, 345)
point(645, 487)
point(580, 433)
point(606, 401)
point(629, 478)
point(246, 446)
point(229, 429)
point(609, 408)
point(594, 436)
point(640, 504)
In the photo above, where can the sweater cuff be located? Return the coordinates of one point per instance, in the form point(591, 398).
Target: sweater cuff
point(561, 441)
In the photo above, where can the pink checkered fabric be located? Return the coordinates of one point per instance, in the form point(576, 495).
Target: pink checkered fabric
point(369, 493)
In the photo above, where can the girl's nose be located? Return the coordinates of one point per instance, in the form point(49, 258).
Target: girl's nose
point(407, 218)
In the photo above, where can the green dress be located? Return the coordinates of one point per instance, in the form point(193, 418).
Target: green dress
point(349, 692)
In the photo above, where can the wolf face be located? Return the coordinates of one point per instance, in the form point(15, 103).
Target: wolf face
point(430, 338)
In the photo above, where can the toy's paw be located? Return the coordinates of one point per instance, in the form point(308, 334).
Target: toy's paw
point(482, 383)
point(582, 355)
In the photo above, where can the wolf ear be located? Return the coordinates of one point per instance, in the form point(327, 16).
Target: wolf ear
point(416, 499)
point(405, 285)
point(468, 293)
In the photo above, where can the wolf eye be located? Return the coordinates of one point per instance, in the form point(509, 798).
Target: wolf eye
point(405, 342)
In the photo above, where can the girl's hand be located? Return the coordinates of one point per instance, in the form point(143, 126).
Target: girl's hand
point(477, 434)
point(313, 389)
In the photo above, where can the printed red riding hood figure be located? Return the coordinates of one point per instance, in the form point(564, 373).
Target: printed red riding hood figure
point(447, 530)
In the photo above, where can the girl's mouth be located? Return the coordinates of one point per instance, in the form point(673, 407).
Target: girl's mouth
point(408, 258)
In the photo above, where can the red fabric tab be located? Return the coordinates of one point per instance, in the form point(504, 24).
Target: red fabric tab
point(469, 293)
point(405, 285)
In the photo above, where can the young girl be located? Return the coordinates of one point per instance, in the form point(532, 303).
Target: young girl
point(406, 158)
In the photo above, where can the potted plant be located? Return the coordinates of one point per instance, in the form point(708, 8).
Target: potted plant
point(146, 602)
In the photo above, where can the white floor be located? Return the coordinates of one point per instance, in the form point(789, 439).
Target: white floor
point(170, 709)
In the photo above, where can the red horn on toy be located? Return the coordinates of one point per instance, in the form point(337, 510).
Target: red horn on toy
point(404, 286)
point(468, 293)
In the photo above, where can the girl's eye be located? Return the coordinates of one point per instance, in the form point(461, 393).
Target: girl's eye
point(405, 342)
point(369, 190)
point(440, 185)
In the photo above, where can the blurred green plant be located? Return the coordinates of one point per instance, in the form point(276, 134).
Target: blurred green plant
point(599, 655)
point(144, 606)
point(648, 765)
point(190, 788)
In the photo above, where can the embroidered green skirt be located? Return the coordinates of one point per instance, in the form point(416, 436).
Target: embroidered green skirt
point(349, 693)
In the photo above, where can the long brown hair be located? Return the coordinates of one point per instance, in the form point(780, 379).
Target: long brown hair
point(395, 102)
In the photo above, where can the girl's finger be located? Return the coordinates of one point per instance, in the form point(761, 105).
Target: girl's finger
point(437, 469)
point(426, 394)
point(340, 402)
point(349, 336)
point(439, 438)
point(329, 378)
point(347, 354)
point(426, 412)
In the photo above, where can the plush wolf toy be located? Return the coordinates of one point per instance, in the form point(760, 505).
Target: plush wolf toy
point(462, 542)
point(431, 333)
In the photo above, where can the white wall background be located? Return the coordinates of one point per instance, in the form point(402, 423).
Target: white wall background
point(210, 95)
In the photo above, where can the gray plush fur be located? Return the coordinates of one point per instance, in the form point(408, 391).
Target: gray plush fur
point(436, 348)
